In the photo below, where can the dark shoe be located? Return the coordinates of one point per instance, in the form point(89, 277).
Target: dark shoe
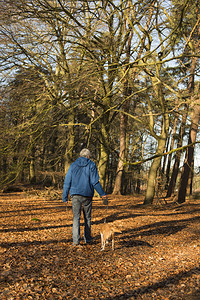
point(90, 243)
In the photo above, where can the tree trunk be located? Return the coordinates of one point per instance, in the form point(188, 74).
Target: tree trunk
point(161, 141)
point(190, 180)
point(120, 167)
point(70, 143)
point(171, 147)
point(175, 170)
point(163, 164)
point(188, 166)
point(153, 173)
point(102, 166)
point(188, 163)
point(32, 177)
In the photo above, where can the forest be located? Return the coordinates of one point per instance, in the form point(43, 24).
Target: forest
point(120, 77)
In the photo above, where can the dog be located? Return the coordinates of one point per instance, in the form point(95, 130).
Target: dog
point(107, 231)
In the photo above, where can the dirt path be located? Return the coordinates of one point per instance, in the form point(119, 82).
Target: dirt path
point(157, 255)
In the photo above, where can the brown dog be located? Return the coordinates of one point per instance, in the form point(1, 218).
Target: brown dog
point(107, 231)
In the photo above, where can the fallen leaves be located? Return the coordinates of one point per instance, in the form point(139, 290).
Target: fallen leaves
point(157, 254)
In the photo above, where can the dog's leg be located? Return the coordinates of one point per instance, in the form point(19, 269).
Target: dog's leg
point(113, 241)
point(102, 242)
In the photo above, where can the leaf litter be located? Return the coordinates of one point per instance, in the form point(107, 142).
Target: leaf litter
point(157, 255)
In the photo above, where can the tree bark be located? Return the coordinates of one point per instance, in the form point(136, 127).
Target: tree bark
point(103, 161)
point(68, 158)
point(175, 170)
point(189, 159)
point(122, 155)
point(161, 140)
point(171, 147)
point(32, 175)
point(153, 173)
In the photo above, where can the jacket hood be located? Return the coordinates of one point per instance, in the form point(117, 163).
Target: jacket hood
point(82, 161)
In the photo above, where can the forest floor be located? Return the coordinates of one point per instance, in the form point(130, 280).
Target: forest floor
point(157, 255)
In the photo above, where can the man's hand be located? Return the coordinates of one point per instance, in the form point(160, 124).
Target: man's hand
point(105, 200)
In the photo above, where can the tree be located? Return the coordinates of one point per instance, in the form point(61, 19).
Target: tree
point(189, 31)
point(103, 68)
point(188, 167)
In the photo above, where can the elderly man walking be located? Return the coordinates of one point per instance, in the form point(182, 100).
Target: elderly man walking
point(80, 181)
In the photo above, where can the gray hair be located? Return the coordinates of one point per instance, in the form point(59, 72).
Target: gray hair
point(85, 153)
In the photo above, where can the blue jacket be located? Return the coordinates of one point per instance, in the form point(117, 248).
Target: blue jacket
point(81, 179)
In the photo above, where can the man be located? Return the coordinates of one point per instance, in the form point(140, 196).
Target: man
point(81, 180)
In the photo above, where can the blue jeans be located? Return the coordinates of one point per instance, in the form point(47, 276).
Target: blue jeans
point(79, 201)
